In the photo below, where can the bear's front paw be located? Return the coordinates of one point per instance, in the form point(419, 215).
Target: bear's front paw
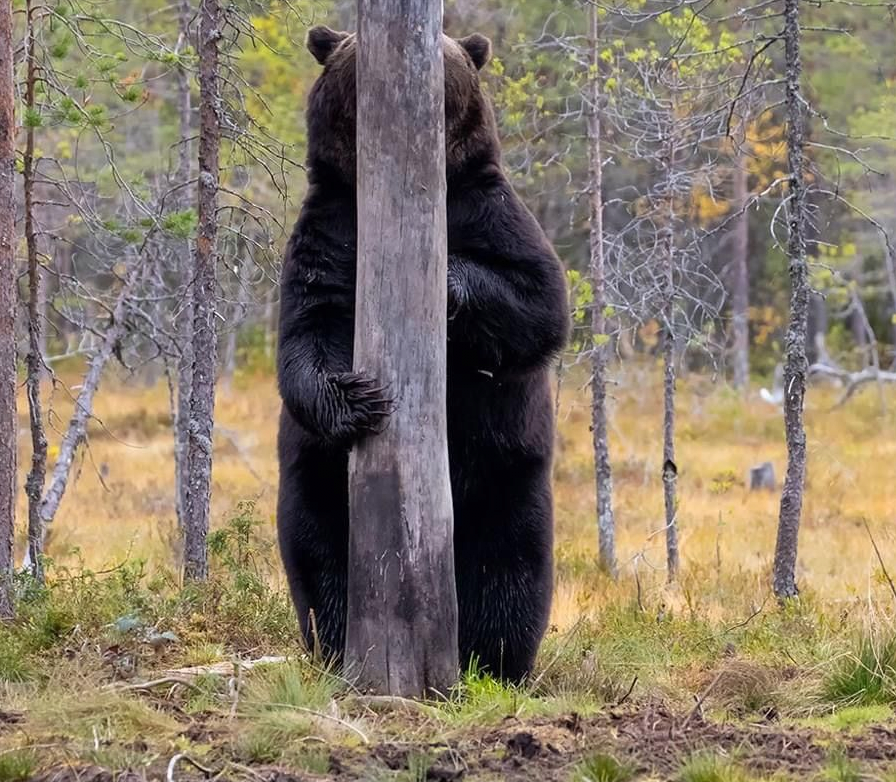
point(356, 405)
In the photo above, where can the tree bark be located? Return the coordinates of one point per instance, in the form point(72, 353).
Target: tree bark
point(401, 635)
point(184, 322)
point(8, 379)
point(603, 473)
point(202, 398)
point(795, 363)
point(670, 469)
point(740, 280)
point(37, 476)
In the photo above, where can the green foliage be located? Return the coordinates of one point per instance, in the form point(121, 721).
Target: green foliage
point(17, 765)
point(708, 767)
point(600, 767)
point(866, 674)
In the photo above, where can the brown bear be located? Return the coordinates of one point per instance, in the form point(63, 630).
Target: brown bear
point(508, 319)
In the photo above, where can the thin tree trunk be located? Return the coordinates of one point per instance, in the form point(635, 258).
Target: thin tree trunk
point(401, 634)
point(670, 469)
point(890, 264)
point(76, 432)
point(205, 349)
point(8, 379)
point(184, 321)
point(740, 293)
point(795, 363)
point(34, 485)
point(603, 474)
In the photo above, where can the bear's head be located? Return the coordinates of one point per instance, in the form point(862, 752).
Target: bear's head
point(470, 132)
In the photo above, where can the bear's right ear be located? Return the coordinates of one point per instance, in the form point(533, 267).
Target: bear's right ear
point(322, 42)
point(479, 48)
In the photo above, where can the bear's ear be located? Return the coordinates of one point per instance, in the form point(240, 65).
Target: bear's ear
point(479, 48)
point(322, 42)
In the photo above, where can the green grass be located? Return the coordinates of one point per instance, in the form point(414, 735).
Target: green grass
point(708, 767)
point(866, 674)
point(600, 767)
point(17, 765)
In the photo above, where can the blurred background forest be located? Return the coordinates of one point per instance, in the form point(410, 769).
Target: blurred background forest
point(694, 169)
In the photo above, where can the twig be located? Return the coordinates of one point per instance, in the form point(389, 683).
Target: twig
point(141, 686)
point(628, 694)
point(880, 559)
point(181, 756)
point(702, 698)
point(324, 716)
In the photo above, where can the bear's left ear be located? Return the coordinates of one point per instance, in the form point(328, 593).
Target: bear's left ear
point(479, 48)
point(322, 42)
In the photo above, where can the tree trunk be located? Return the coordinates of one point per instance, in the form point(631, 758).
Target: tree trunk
point(8, 379)
point(603, 474)
point(401, 634)
point(740, 280)
point(34, 485)
point(795, 363)
point(202, 398)
point(184, 321)
point(670, 469)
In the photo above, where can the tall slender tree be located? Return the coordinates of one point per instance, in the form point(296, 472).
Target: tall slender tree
point(603, 472)
point(401, 632)
point(8, 419)
point(202, 393)
point(795, 362)
point(184, 320)
point(34, 485)
point(740, 278)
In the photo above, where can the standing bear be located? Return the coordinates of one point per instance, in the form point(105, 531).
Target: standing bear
point(508, 318)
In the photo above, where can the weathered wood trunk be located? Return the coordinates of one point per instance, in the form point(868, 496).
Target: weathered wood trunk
point(740, 280)
point(603, 473)
point(184, 322)
point(670, 469)
point(37, 476)
point(8, 419)
point(401, 635)
point(795, 363)
point(202, 392)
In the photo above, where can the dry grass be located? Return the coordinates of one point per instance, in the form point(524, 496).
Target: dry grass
point(725, 529)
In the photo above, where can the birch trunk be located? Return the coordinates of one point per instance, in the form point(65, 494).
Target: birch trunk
point(740, 287)
point(670, 469)
point(202, 397)
point(795, 363)
point(603, 474)
point(34, 485)
point(184, 324)
point(8, 379)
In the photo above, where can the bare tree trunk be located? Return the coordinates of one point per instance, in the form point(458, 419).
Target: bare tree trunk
point(34, 485)
point(740, 282)
point(184, 323)
point(795, 364)
point(8, 379)
point(603, 473)
point(205, 347)
point(76, 431)
point(670, 469)
point(401, 634)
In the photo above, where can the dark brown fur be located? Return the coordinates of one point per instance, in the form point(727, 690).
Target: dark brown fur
point(507, 320)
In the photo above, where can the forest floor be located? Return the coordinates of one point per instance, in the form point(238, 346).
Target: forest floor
point(116, 672)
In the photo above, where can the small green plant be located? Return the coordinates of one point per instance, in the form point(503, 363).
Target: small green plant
point(17, 765)
point(708, 767)
point(839, 768)
point(600, 767)
point(865, 676)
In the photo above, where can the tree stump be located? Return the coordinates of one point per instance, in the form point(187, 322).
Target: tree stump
point(762, 476)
